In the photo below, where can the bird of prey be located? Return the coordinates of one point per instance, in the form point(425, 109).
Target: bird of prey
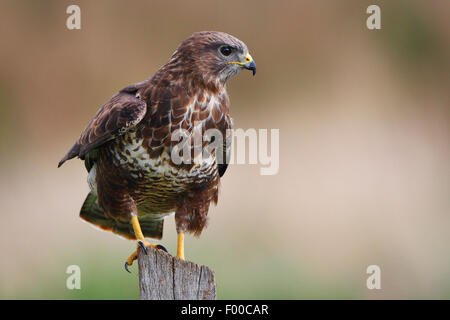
point(127, 146)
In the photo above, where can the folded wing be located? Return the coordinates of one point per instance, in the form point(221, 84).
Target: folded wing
point(122, 112)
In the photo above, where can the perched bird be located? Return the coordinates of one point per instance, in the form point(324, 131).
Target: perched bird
point(127, 146)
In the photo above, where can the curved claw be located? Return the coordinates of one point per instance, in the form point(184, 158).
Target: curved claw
point(141, 243)
point(161, 248)
point(134, 255)
point(126, 267)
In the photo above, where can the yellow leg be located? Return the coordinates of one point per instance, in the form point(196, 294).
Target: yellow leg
point(180, 246)
point(137, 228)
point(141, 241)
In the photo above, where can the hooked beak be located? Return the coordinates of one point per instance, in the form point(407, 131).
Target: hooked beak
point(249, 64)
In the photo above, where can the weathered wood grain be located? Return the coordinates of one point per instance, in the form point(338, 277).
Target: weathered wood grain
point(164, 277)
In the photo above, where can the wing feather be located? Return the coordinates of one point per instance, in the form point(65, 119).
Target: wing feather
point(122, 112)
point(226, 150)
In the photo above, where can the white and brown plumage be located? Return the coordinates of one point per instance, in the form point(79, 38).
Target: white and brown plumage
point(127, 146)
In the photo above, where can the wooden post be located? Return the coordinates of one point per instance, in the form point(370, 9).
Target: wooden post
point(164, 277)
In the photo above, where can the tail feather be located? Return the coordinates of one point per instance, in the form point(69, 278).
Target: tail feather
point(92, 213)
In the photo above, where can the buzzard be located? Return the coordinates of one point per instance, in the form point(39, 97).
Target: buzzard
point(127, 147)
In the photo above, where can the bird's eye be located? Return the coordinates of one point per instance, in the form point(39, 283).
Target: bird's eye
point(226, 50)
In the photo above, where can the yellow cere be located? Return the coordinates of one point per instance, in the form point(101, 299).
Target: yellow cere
point(248, 58)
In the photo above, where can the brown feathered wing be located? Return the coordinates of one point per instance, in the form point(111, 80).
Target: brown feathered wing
point(122, 112)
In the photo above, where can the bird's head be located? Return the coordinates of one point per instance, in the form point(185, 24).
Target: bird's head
point(213, 56)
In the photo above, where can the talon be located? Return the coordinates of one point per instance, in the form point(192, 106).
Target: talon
point(126, 267)
point(130, 260)
point(141, 243)
point(160, 247)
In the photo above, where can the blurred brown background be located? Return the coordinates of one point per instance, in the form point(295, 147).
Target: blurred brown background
point(364, 146)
